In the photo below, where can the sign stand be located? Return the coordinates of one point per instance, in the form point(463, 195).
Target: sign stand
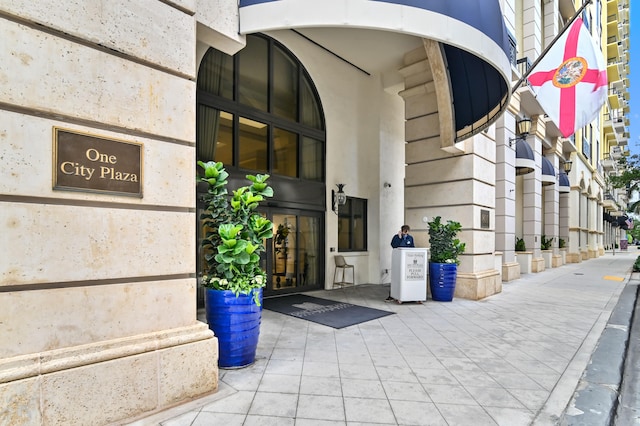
point(409, 274)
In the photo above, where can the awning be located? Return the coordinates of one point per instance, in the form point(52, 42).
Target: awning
point(472, 35)
point(548, 174)
point(525, 160)
point(623, 222)
point(564, 185)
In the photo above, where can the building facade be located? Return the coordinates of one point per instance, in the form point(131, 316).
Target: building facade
point(406, 109)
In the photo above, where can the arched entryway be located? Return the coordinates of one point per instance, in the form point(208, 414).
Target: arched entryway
point(259, 112)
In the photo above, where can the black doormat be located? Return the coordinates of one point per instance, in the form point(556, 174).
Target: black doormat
point(322, 311)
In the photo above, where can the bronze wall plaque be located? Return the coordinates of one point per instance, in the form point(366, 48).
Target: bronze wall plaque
point(89, 163)
point(484, 219)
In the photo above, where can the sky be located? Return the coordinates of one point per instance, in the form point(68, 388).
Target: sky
point(634, 90)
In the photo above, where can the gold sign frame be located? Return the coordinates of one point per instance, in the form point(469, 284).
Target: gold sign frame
point(86, 162)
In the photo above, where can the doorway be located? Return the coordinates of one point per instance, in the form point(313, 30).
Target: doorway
point(295, 254)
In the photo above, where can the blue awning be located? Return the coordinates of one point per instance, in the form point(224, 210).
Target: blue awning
point(563, 183)
point(471, 33)
point(525, 160)
point(548, 174)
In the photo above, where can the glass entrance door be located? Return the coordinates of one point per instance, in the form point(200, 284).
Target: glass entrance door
point(294, 256)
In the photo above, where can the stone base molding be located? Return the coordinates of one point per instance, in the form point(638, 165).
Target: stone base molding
point(111, 381)
point(556, 261)
point(593, 253)
point(574, 257)
point(537, 264)
point(524, 259)
point(478, 285)
point(510, 271)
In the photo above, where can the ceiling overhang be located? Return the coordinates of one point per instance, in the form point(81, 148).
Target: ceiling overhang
point(474, 41)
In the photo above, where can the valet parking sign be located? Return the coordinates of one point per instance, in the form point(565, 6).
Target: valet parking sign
point(90, 163)
point(415, 266)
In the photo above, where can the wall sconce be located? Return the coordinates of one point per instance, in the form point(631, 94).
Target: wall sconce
point(523, 127)
point(338, 198)
point(567, 166)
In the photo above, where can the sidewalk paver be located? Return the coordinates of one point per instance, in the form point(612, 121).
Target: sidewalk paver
point(514, 358)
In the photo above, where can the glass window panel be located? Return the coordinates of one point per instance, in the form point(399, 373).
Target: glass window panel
point(252, 140)
point(352, 225)
point(224, 144)
point(309, 249)
point(216, 74)
point(285, 153)
point(254, 73)
point(285, 85)
point(285, 251)
point(310, 109)
point(312, 161)
point(215, 135)
point(359, 224)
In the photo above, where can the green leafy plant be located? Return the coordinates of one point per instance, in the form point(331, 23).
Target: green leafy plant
point(235, 232)
point(561, 243)
point(636, 265)
point(520, 246)
point(445, 247)
point(545, 243)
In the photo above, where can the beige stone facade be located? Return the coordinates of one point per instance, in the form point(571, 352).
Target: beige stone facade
point(99, 323)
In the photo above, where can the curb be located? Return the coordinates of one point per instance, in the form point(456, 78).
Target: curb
point(595, 400)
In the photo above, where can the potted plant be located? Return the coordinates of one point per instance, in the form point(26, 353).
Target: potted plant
point(547, 252)
point(523, 257)
point(233, 278)
point(443, 262)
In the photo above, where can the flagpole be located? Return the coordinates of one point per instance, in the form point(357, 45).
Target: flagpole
point(544, 52)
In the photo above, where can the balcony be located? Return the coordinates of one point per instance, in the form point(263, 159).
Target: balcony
point(616, 153)
point(608, 202)
point(613, 29)
point(614, 70)
point(614, 99)
point(618, 125)
point(614, 49)
point(608, 165)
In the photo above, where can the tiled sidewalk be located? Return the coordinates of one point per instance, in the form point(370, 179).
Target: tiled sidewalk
point(511, 359)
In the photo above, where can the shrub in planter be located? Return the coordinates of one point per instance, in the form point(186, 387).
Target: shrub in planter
point(443, 263)
point(233, 277)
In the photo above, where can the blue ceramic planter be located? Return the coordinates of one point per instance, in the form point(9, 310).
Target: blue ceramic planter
point(442, 281)
point(236, 323)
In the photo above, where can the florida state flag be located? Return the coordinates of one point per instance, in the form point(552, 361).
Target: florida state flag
point(570, 81)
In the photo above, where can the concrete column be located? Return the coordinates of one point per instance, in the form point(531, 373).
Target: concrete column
point(552, 211)
point(505, 231)
point(563, 232)
point(584, 226)
point(456, 182)
point(593, 228)
point(573, 243)
point(532, 199)
point(460, 188)
point(531, 28)
point(550, 27)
